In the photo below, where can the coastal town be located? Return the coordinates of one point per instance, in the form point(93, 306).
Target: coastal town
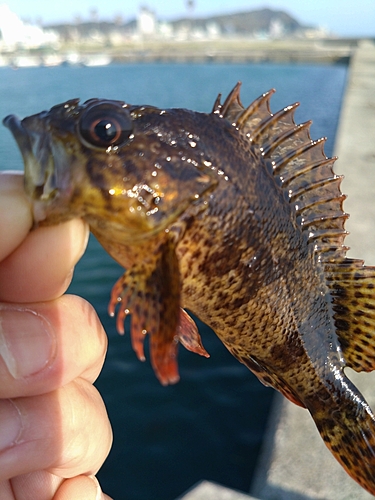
point(253, 36)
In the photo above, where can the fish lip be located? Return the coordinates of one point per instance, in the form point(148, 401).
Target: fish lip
point(20, 134)
point(24, 143)
point(39, 180)
point(12, 122)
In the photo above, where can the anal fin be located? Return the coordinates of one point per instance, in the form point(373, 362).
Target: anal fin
point(352, 287)
point(269, 378)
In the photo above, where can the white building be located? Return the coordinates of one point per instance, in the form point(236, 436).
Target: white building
point(15, 33)
point(146, 22)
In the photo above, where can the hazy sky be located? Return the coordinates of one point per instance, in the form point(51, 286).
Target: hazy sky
point(343, 17)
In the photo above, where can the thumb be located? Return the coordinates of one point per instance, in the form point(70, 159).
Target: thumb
point(15, 212)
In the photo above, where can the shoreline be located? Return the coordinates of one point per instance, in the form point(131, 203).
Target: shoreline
point(221, 50)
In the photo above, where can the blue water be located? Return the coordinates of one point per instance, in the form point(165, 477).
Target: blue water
point(210, 425)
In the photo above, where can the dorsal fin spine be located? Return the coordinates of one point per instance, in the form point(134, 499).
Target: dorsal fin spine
point(308, 222)
point(316, 185)
point(339, 199)
point(270, 147)
point(232, 97)
point(272, 120)
point(291, 155)
point(307, 168)
point(217, 105)
point(330, 233)
point(250, 110)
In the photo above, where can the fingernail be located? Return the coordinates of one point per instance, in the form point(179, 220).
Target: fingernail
point(27, 342)
point(10, 424)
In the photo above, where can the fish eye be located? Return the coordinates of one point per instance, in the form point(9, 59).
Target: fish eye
point(104, 125)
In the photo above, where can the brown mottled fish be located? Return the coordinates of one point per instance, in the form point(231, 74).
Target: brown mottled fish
point(235, 215)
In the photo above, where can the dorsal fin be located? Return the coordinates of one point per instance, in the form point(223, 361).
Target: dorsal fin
point(300, 164)
point(352, 287)
point(314, 190)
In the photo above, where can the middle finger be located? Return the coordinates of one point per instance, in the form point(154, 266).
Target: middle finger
point(66, 432)
point(46, 345)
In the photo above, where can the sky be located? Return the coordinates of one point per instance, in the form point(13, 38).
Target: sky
point(342, 17)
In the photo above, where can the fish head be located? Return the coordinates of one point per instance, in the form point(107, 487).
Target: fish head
point(127, 170)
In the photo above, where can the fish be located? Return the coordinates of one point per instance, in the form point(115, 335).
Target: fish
point(236, 216)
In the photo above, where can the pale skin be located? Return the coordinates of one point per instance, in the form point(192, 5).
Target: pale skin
point(54, 429)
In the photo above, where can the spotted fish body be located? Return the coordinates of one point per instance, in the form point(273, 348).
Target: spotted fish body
point(235, 215)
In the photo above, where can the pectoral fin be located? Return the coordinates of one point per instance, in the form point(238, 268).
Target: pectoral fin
point(150, 292)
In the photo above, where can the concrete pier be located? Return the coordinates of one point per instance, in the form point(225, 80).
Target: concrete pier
point(207, 490)
point(295, 464)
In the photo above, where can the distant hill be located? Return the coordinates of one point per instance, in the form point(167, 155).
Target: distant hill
point(249, 22)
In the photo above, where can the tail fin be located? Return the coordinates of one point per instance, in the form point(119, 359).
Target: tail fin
point(349, 433)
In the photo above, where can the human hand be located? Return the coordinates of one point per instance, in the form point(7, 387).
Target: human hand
point(54, 429)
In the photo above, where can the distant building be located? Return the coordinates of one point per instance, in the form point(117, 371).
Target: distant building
point(146, 22)
point(276, 29)
point(15, 33)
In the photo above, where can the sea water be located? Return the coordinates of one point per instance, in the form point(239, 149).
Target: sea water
point(210, 425)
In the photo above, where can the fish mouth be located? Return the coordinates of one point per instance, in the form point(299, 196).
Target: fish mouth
point(14, 124)
point(34, 145)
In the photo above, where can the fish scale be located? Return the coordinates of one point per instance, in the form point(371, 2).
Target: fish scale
point(236, 215)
